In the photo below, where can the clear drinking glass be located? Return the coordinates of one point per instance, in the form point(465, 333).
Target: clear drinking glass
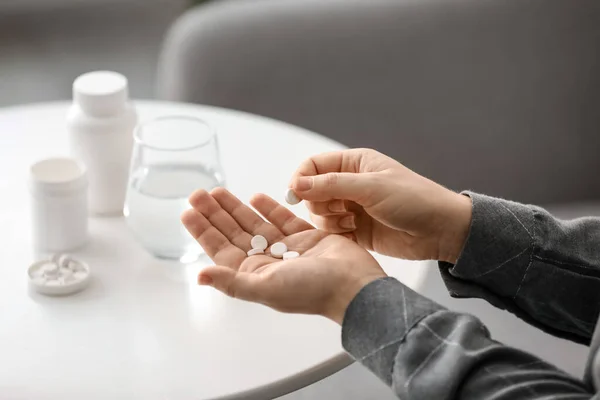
point(172, 157)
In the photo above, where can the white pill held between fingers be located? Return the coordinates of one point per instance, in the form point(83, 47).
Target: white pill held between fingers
point(259, 242)
point(291, 198)
point(288, 255)
point(254, 252)
point(278, 249)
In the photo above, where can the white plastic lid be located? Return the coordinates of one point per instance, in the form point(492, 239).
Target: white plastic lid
point(57, 175)
point(59, 276)
point(101, 93)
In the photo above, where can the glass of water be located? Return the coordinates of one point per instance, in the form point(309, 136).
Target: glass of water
point(172, 157)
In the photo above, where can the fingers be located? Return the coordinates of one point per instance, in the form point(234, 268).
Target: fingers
point(351, 236)
point(204, 203)
point(335, 161)
point(344, 174)
point(282, 218)
point(335, 185)
point(216, 245)
point(245, 216)
point(325, 208)
point(335, 223)
point(321, 164)
point(236, 284)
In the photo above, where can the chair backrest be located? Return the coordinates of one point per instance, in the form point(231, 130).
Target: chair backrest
point(501, 97)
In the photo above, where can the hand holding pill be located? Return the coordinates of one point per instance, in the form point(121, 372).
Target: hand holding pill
point(281, 261)
point(387, 207)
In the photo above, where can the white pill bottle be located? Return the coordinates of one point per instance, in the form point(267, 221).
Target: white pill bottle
point(100, 125)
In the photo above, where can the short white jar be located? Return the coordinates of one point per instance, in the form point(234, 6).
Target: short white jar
point(59, 208)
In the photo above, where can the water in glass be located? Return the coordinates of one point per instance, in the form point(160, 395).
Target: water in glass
point(157, 196)
point(173, 157)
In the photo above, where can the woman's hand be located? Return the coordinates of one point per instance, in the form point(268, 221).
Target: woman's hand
point(330, 271)
point(387, 207)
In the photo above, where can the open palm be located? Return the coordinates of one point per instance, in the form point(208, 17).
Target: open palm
point(327, 275)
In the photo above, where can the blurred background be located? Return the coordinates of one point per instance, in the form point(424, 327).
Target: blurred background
point(46, 44)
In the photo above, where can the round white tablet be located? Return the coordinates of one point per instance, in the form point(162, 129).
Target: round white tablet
point(50, 270)
point(291, 198)
point(64, 260)
point(254, 252)
point(56, 258)
point(288, 255)
point(259, 242)
point(278, 249)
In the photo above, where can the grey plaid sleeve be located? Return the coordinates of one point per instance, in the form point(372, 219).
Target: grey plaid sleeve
point(425, 352)
point(519, 257)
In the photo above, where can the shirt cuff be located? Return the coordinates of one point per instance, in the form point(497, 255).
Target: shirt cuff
point(496, 259)
point(497, 251)
point(378, 319)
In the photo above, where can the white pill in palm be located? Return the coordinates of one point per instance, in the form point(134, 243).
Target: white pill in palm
point(259, 242)
point(278, 249)
point(254, 252)
point(291, 198)
point(288, 255)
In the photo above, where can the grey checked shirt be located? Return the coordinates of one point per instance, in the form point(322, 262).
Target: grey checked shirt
point(517, 257)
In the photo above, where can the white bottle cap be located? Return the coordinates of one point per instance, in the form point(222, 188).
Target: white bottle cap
point(57, 176)
point(101, 93)
point(51, 278)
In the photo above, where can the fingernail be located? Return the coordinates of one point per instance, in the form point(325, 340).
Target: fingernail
point(348, 222)
point(204, 280)
point(303, 184)
point(337, 206)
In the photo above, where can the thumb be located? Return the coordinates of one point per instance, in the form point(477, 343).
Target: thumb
point(334, 185)
point(240, 285)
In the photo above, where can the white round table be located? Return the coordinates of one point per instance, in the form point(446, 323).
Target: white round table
point(144, 329)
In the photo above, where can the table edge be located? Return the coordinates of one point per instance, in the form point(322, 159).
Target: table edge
point(294, 382)
point(157, 103)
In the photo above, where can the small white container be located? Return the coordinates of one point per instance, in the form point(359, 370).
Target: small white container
point(55, 279)
point(100, 124)
point(59, 208)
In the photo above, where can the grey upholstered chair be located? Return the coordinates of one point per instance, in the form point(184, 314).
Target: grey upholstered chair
point(502, 97)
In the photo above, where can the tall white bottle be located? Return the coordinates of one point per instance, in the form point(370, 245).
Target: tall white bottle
point(100, 125)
